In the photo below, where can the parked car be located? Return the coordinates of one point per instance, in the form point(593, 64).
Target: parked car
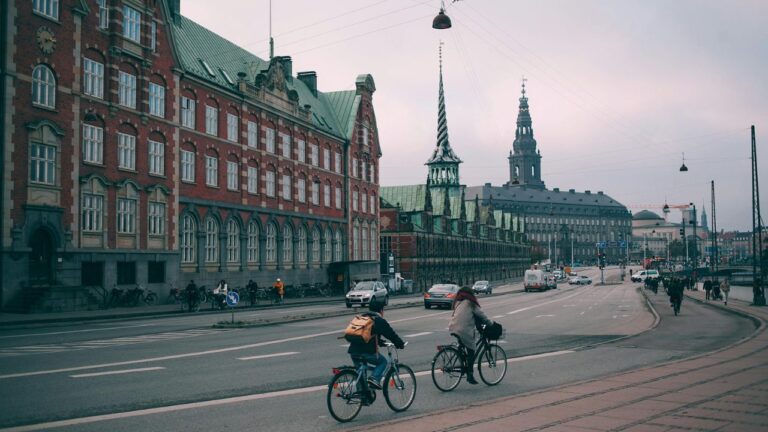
point(482, 287)
point(364, 292)
point(551, 282)
point(643, 274)
point(534, 280)
point(440, 295)
point(580, 280)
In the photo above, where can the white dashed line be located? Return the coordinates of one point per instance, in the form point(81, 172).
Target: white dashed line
point(257, 357)
point(418, 334)
point(117, 372)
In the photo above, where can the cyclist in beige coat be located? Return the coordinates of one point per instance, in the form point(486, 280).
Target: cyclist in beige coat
point(467, 316)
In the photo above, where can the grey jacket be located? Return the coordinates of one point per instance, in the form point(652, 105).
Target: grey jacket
point(463, 322)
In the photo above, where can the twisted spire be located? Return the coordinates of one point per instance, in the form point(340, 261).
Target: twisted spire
point(443, 151)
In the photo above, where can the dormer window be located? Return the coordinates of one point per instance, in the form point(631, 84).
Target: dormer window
point(207, 68)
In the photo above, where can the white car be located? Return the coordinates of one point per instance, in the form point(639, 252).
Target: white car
point(645, 274)
point(364, 292)
point(580, 280)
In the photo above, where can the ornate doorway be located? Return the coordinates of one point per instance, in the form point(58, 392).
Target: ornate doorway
point(41, 258)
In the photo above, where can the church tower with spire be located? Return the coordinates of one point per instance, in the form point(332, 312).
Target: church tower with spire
point(524, 159)
point(444, 164)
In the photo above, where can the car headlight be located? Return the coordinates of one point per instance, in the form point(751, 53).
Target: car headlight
point(366, 295)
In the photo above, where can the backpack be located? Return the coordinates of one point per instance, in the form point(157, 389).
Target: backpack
point(360, 329)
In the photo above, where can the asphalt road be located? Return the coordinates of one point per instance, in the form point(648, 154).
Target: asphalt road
point(176, 374)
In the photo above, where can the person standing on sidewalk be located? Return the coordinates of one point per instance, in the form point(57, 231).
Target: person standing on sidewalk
point(279, 290)
point(466, 318)
point(725, 287)
point(191, 294)
point(707, 289)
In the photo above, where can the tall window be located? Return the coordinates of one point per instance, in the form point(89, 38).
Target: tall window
point(232, 127)
point(356, 241)
point(301, 187)
point(301, 247)
point(253, 180)
point(126, 216)
point(253, 242)
point(211, 240)
point(286, 186)
point(364, 240)
point(211, 171)
point(271, 244)
point(156, 157)
point(93, 78)
point(301, 146)
point(153, 36)
point(127, 90)
point(93, 144)
point(156, 100)
point(326, 159)
point(337, 246)
point(327, 195)
point(287, 245)
point(314, 154)
point(364, 132)
point(364, 202)
point(211, 120)
point(270, 145)
point(92, 213)
point(354, 167)
point(233, 241)
point(126, 151)
point(315, 245)
point(337, 197)
point(232, 175)
point(372, 179)
point(43, 87)
point(315, 193)
point(270, 183)
point(355, 197)
point(373, 204)
point(187, 241)
point(187, 112)
point(285, 142)
point(327, 250)
point(187, 166)
point(131, 24)
point(49, 8)
point(337, 162)
point(253, 134)
point(156, 216)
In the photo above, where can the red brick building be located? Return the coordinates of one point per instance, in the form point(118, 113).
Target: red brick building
point(142, 148)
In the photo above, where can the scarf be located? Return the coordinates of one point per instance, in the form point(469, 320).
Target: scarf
point(465, 295)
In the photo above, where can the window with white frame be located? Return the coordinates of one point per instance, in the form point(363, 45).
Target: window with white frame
point(314, 154)
point(93, 78)
point(211, 120)
point(287, 187)
point(327, 195)
point(156, 157)
point(187, 112)
point(374, 241)
point(253, 180)
point(373, 204)
point(49, 8)
point(301, 188)
point(327, 159)
point(211, 171)
point(252, 247)
point(187, 166)
point(126, 216)
point(327, 250)
point(156, 100)
point(93, 144)
point(271, 244)
point(131, 24)
point(373, 173)
point(127, 90)
point(285, 142)
point(356, 241)
point(232, 127)
point(316, 193)
point(301, 246)
point(364, 203)
point(156, 218)
point(301, 146)
point(337, 246)
point(364, 241)
point(253, 134)
point(337, 162)
point(364, 132)
point(338, 197)
point(354, 167)
point(270, 137)
point(187, 240)
point(315, 245)
point(355, 197)
point(233, 241)
point(287, 245)
point(92, 213)
point(126, 151)
point(211, 240)
point(103, 14)
point(270, 183)
point(43, 87)
point(153, 36)
point(232, 182)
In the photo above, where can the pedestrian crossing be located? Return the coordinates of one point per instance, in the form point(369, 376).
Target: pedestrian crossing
point(104, 343)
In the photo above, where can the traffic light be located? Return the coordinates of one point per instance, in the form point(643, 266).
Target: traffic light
point(601, 260)
point(682, 232)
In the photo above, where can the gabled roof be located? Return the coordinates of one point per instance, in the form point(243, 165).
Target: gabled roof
point(409, 197)
point(344, 105)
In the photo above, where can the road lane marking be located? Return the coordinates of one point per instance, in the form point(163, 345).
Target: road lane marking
point(499, 316)
point(71, 331)
point(542, 304)
point(418, 334)
point(581, 313)
point(117, 372)
point(543, 316)
point(257, 357)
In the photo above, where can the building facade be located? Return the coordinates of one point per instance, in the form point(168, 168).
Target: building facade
point(141, 148)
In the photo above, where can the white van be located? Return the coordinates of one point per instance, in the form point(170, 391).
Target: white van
point(642, 275)
point(534, 280)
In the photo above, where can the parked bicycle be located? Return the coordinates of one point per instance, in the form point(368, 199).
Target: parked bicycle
point(175, 295)
point(450, 363)
point(139, 294)
point(349, 391)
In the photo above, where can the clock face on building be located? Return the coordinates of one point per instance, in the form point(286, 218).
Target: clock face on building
point(46, 40)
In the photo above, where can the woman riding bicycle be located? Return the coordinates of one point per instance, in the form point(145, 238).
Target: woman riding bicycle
point(467, 317)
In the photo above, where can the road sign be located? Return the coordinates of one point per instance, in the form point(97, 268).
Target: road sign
point(612, 244)
point(622, 244)
point(600, 245)
point(232, 298)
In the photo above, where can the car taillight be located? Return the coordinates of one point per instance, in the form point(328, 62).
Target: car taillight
point(426, 295)
point(451, 295)
point(440, 347)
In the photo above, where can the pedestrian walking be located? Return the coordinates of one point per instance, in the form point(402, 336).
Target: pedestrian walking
point(253, 290)
point(716, 294)
point(725, 287)
point(191, 294)
point(707, 289)
point(279, 290)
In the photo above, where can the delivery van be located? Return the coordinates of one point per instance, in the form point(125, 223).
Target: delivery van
point(534, 280)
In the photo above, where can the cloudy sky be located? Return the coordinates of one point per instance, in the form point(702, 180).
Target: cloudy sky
point(618, 89)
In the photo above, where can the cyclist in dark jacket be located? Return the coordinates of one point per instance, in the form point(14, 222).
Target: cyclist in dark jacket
point(369, 352)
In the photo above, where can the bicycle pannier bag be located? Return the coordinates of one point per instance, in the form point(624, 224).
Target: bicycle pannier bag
point(493, 331)
point(359, 330)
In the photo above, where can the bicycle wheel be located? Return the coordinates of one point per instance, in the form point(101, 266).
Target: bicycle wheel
point(492, 364)
point(447, 368)
point(344, 402)
point(400, 388)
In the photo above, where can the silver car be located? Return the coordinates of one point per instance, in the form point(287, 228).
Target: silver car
point(364, 292)
point(440, 295)
point(482, 287)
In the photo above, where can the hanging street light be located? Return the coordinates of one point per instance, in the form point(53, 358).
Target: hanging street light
point(442, 21)
point(683, 168)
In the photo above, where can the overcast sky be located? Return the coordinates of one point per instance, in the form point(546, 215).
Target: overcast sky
point(618, 89)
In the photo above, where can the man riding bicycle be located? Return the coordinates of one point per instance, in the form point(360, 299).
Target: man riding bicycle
point(467, 317)
point(369, 351)
point(675, 292)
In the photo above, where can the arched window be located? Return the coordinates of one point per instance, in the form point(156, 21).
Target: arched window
point(517, 171)
point(315, 245)
point(328, 250)
point(271, 245)
point(187, 243)
point(211, 240)
point(337, 246)
point(374, 241)
point(302, 246)
point(356, 241)
point(233, 241)
point(43, 86)
point(287, 244)
point(253, 242)
point(364, 240)
point(533, 171)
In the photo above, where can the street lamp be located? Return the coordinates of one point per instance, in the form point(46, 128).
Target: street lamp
point(442, 21)
point(683, 168)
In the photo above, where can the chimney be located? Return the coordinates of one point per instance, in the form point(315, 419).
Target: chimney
point(310, 80)
point(571, 190)
point(556, 190)
point(587, 191)
point(287, 67)
point(599, 192)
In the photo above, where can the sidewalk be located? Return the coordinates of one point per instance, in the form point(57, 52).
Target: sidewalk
point(725, 390)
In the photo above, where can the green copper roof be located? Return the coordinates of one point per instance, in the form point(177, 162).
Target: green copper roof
point(344, 105)
point(410, 197)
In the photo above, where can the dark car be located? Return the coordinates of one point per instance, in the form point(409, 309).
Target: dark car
point(482, 287)
point(440, 295)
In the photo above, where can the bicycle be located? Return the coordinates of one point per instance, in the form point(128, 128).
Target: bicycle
point(450, 363)
point(349, 391)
